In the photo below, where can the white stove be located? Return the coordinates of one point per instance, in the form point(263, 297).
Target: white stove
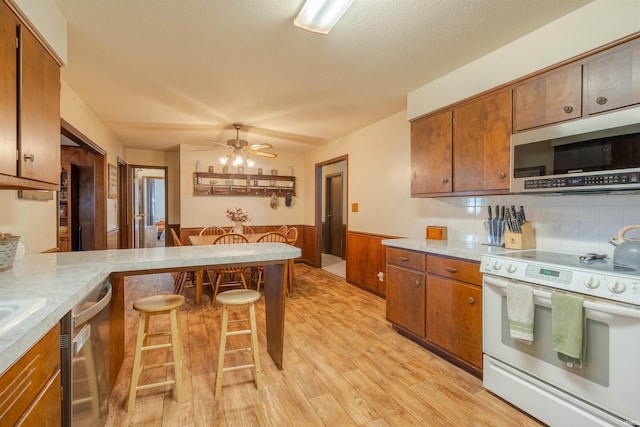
point(588, 275)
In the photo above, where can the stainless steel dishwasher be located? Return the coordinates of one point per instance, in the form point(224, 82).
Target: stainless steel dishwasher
point(84, 350)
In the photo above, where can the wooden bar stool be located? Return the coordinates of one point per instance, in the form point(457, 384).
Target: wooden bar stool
point(238, 298)
point(148, 307)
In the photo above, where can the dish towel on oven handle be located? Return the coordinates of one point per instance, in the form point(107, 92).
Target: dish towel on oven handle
point(568, 328)
point(520, 309)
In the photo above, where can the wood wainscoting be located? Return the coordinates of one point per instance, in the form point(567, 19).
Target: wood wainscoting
point(366, 257)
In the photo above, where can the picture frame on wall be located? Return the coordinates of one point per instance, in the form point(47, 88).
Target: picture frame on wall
point(113, 181)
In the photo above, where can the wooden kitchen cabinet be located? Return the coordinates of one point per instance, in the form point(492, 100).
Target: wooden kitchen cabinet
point(431, 154)
point(29, 108)
point(612, 79)
point(553, 97)
point(30, 391)
point(454, 309)
point(481, 144)
point(406, 290)
point(463, 151)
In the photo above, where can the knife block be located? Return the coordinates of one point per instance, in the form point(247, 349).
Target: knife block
point(524, 240)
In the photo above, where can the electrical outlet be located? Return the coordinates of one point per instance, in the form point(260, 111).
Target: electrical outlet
point(380, 276)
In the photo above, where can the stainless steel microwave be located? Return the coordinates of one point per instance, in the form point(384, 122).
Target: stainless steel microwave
point(600, 154)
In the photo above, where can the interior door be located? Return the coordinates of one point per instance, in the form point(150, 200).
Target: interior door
point(333, 205)
point(149, 206)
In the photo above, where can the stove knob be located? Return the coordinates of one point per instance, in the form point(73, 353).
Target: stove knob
point(618, 287)
point(512, 268)
point(497, 265)
point(592, 282)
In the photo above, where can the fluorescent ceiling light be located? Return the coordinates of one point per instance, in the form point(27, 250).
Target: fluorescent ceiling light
point(319, 16)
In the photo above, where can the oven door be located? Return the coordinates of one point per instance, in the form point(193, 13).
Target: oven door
point(609, 378)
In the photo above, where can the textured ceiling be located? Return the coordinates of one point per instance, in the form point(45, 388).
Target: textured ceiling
point(164, 72)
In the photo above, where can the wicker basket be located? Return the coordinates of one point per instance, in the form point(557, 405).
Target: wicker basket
point(8, 247)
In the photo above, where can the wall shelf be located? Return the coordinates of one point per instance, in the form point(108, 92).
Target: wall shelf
point(233, 184)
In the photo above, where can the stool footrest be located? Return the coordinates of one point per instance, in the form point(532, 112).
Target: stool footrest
point(242, 332)
point(235, 368)
point(155, 346)
point(158, 384)
point(158, 365)
point(237, 350)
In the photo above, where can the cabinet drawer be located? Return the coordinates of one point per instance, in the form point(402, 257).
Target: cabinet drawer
point(407, 259)
point(22, 382)
point(465, 271)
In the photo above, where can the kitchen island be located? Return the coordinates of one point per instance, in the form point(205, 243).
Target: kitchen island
point(65, 278)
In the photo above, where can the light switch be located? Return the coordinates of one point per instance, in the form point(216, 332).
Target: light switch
point(354, 207)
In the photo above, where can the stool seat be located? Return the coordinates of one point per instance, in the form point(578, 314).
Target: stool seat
point(158, 303)
point(238, 297)
point(147, 308)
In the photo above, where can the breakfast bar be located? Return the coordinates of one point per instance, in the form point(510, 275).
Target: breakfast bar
point(63, 279)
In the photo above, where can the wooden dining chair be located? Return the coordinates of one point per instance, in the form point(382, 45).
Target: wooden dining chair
point(181, 276)
point(247, 230)
point(283, 229)
point(257, 272)
point(230, 272)
point(292, 238)
point(212, 230)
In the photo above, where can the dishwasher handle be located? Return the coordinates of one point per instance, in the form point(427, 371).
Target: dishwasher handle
point(96, 308)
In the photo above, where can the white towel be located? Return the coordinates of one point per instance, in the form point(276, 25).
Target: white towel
point(520, 309)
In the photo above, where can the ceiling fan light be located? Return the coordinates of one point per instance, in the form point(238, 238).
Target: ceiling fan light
point(237, 161)
point(223, 160)
point(250, 162)
point(319, 16)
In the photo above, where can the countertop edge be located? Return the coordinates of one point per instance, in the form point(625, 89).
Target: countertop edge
point(471, 251)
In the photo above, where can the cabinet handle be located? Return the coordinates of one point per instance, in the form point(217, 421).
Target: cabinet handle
point(452, 270)
point(568, 109)
point(601, 100)
point(418, 283)
point(26, 157)
point(502, 175)
point(471, 300)
point(445, 180)
point(404, 259)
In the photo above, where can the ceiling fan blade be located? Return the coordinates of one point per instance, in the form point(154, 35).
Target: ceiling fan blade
point(259, 146)
point(262, 153)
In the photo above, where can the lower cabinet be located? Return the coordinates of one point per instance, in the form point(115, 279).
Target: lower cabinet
point(30, 390)
point(437, 301)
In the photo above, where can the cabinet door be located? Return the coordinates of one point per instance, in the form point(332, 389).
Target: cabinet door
point(8, 91)
point(46, 410)
point(454, 318)
point(406, 299)
point(481, 141)
point(431, 154)
point(39, 112)
point(553, 97)
point(613, 80)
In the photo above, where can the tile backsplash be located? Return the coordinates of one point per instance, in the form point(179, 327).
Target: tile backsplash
point(572, 223)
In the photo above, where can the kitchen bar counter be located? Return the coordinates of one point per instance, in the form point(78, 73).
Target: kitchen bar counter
point(466, 250)
point(65, 278)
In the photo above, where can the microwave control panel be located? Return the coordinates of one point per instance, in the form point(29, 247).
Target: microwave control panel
point(608, 179)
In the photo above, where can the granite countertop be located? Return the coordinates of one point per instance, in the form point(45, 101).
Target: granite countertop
point(65, 278)
point(467, 250)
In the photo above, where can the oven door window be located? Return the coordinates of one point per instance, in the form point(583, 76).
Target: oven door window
point(596, 361)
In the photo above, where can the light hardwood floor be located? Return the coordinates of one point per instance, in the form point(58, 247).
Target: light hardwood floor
point(343, 366)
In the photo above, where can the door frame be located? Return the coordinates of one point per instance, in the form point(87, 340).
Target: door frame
point(317, 261)
point(130, 171)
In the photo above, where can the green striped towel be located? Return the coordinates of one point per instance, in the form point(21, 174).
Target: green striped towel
point(568, 328)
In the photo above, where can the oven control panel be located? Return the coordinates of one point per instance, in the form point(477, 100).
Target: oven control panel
point(622, 288)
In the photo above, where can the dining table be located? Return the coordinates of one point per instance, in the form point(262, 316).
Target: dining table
point(197, 240)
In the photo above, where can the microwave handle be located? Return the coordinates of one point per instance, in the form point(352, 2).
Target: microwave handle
point(609, 308)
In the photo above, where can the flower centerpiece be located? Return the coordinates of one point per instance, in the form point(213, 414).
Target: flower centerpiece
point(239, 216)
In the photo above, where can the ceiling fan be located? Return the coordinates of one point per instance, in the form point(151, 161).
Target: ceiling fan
point(242, 150)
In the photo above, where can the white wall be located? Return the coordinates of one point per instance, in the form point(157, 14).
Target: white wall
point(201, 211)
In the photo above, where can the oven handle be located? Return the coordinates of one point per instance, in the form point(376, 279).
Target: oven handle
point(604, 307)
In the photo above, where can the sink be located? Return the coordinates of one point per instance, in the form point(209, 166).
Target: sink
point(15, 311)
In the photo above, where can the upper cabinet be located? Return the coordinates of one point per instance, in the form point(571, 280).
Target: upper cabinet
point(464, 150)
point(612, 79)
point(29, 108)
point(551, 98)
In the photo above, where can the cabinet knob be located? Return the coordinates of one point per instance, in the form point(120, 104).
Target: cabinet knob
point(502, 175)
point(445, 180)
point(452, 270)
point(418, 283)
point(568, 109)
point(601, 100)
point(26, 157)
point(471, 300)
point(404, 259)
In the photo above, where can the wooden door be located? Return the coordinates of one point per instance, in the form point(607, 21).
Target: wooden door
point(613, 80)
point(334, 207)
point(431, 154)
point(39, 112)
point(8, 92)
point(481, 143)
